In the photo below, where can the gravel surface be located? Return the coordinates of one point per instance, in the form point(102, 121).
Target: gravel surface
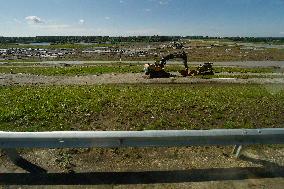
point(194, 167)
point(26, 79)
point(234, 63)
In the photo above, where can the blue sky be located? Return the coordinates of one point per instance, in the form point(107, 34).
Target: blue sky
point(142, 17)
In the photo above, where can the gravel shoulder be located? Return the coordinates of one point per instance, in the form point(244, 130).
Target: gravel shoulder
point(129, 78)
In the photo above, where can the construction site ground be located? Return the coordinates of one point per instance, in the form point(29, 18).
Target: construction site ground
point(192, 167)
point(128, 78)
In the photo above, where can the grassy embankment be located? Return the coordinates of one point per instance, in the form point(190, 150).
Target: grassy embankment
point(137, 107)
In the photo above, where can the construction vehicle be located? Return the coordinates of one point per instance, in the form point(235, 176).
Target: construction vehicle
point(205, 69)
point(157, 70)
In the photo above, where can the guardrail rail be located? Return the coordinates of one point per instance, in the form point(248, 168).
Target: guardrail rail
point(10, 141)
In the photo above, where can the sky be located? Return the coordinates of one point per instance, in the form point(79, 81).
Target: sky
point(253, 18)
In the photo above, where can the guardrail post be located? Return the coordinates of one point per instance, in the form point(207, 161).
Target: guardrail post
point(13, 155)
point(237, 151)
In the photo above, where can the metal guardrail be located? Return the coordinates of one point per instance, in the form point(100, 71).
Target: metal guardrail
point(10, 141)
point(116, 139)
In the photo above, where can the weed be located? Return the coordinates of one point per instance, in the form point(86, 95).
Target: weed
point(139, 107)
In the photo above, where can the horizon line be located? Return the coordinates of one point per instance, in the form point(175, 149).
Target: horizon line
point(204, 36)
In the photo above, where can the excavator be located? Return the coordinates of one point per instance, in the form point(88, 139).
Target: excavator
point(157, 70)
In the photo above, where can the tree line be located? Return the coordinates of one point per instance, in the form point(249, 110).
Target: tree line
point(87, 39)
point(113, 40)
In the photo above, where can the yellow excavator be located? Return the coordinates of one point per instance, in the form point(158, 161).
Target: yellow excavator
point(157, 70)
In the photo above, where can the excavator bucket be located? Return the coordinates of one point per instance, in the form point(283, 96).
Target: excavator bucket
point(184, 73)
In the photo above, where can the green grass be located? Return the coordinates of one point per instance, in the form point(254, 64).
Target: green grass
point(72, 71)
point(244, 70)
point(140, 107)
point(19, 61)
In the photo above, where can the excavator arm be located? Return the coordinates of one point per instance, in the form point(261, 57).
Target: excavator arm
point(182, 56)
point(157, 70)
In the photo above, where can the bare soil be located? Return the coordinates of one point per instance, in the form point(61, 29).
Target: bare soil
point(192, 167)
point(252, 64)
point(129, 78)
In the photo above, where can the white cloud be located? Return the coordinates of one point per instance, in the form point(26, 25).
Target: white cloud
point(81, 21)
point(282, 33)
point(163, 2)
point(107, 18)
point(148, 10)
point(34, 20)
point(121, 1)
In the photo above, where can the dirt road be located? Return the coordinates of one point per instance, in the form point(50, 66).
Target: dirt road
point(25, 79)
point(232, 63)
